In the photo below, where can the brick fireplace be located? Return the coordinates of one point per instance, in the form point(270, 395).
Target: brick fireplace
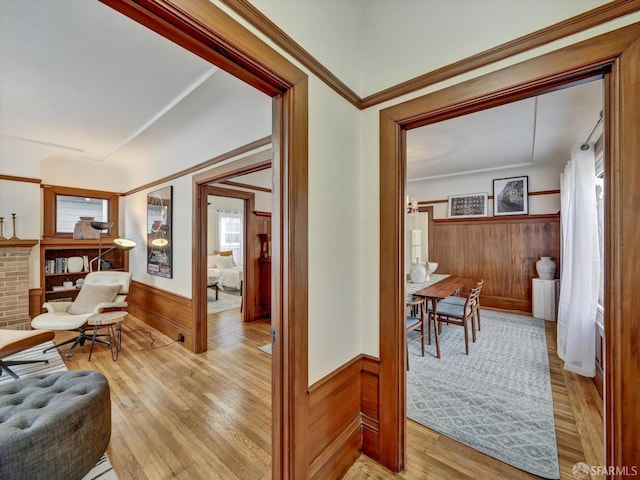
point(14, 283)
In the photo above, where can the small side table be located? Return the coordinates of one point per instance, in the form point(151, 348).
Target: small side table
point(108, 320)
point(545, 298)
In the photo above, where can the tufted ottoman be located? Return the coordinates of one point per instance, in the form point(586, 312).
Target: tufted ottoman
point(53, 426)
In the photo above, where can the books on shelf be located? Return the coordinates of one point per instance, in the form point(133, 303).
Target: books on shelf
point(60, 265)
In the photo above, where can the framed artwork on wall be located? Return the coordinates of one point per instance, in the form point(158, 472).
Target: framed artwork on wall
point(159, 241)
point(511, 196)
point(468, 205)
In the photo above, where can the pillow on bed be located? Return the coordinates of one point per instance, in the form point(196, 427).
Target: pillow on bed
point(225, 261)
point(91, 296)
point(211, 261)
point(224, 253)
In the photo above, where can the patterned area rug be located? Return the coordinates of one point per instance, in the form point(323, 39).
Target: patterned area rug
point(227, 300)
point(103, 469)
point(497, 399)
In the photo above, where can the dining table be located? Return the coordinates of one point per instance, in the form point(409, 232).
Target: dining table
point(436, 291)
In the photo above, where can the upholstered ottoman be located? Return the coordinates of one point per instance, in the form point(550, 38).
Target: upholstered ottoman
point(53, 426)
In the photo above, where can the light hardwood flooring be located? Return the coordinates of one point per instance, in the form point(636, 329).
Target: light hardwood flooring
point(579, 434)
point(176, 414)
point(208, 416)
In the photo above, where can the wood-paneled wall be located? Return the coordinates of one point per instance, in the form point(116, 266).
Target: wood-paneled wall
point(502, 250)
point(164, 311)
point(343, 418)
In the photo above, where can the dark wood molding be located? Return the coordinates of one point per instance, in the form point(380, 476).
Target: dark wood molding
point(258, 213)
point(207, 31)
point(370, 406)
point(18, 243)
point(202, 165)
point(12, 178)
point(256, 18)
point(165, 311)
point(549, 217)
point(565, 28)
point(614, 55)
point(246, 185)
point(490, 197)
point(35, 301)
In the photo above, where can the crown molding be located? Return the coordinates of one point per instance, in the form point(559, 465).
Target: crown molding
point(256, 18)
point(591, 18)
point(246, 185)
point(12, 178)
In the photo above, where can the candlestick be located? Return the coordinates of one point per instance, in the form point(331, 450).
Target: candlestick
point(13, 218)
point(2, 237)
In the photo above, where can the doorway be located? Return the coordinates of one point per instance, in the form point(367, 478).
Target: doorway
point(553, 70)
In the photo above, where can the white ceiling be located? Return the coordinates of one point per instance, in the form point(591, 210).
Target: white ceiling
point(68, 91)
point(534, 132)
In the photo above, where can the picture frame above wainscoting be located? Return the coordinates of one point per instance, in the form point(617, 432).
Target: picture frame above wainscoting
point(468, 205)
point(511, 196)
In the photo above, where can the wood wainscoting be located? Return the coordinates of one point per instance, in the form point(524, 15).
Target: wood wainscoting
point(502, 250)
point(343, 418)
point(165, 311)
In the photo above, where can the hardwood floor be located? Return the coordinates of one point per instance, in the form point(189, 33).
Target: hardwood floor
point(208, 416)
point(176, 414)
point(579, 432)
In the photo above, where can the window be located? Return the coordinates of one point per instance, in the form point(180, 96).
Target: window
point(230, 233)
point(63, 207)
point(600, 207)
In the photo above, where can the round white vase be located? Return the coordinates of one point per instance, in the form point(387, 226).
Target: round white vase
point(418, 273)
point(546, 268)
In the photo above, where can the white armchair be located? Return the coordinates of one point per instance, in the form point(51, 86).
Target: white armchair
point(101, 290)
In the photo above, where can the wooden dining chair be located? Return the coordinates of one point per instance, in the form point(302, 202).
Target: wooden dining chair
point(415, 322)
point(460, 315)
point(458, 300)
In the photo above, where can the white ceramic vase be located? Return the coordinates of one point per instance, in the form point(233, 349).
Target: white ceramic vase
point(418, 272)
point(546, 268)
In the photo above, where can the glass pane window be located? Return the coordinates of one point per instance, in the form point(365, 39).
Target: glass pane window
point(230, 234)
point(69, 209)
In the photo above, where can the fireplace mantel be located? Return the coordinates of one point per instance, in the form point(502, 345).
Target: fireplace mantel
point(18, 243)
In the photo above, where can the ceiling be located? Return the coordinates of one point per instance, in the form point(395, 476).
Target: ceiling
point(534, 132)
point(68, 91)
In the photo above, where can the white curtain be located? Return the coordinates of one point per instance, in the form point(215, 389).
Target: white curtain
point(580, 266)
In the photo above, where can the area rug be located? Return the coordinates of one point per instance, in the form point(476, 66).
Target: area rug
point(497, 399)
point(103, 469)
point(226, 301)
point(266, 348)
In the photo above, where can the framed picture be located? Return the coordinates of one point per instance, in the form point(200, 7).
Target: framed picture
point(468, 205)
point(511, 196)
point(159, 241)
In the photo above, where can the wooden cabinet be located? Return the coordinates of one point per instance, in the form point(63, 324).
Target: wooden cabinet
point(54, 264)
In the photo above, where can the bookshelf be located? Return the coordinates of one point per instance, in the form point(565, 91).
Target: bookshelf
point(54, 265)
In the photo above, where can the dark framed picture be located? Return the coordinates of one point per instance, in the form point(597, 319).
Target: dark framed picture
point(511, 196)
point(159, 241)
point(468, 205)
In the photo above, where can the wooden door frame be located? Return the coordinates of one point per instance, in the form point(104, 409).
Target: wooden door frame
point(553, 70)
point(202, 225)
point(207, 31)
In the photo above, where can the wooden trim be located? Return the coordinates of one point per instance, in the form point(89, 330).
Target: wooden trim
point(581, 60)
point(334, 419)
point(550, 217)
point(258, 213)
point(17, 243)
point(12, 178)
point(165, 311)
point(490, 197)
point(49, 193)
point(565, 28)
point(35, 301)
point(256, 18)
point(208, 163)
point(246, 185)
point(370, 406)
point(249, 290)
point(204, 29)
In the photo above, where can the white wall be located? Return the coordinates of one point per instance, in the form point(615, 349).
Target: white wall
point(23, 199)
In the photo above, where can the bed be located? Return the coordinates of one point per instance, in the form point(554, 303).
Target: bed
point(223, 274)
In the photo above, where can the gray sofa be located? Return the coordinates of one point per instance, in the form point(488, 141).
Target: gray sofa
point(53, 426)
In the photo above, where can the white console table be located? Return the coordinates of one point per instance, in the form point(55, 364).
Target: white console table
point(545, 298)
